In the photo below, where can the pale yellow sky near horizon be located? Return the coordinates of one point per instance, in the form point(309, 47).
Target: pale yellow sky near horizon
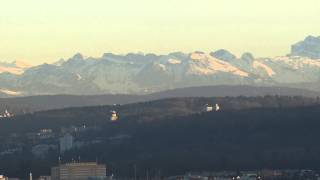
point(38, 31)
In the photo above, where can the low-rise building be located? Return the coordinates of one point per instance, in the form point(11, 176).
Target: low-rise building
point(44, 178)
point(45, 133)
point(78, 171)
point(2, 177)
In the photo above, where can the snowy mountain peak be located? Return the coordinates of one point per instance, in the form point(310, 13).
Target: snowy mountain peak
point(248, 57)
point(136, 73)
point(262, 67)
point(78, 56)
point(223, 55)
point(312, 39)
point(106, 55)
point(309, 47)
point(207, 65)
point(180, 55)
point(198, 55)
point(75, 61)
point(59, 63)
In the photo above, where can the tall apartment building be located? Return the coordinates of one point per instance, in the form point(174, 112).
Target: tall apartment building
point(66, 143)
point(78, 171)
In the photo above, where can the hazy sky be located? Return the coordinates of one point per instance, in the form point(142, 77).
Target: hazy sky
point(39, 31)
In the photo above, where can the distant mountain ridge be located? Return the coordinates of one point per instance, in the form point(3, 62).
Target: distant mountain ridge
point(21, 105)
point(149, 73)
point(309, 47)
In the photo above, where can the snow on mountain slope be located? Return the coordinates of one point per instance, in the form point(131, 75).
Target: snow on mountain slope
point(263, 67)
point(223, 55)
point(293, 69)
point(193, 69)
point(136, 73)
point(281, 69)
point(207, 65)
point(297, 62)
point(112, 76)
point(79, 77)
point(10, 92)
point(125, 74)
point(174, 61)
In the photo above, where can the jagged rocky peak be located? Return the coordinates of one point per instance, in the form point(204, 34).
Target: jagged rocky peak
point(75, 60)
point(223, 55)
point(178, 54)
point(309, 47)
point(139, 56)
point(198, 55)
point(248, 57)
point(60, 62)
point(106, 55)
point(313, 39)
point(78, 56)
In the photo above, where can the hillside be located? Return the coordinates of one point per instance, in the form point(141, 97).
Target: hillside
point(22, 105)
point(175, 135)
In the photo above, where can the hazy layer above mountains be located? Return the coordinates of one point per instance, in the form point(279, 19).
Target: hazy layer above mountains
point(149, 73)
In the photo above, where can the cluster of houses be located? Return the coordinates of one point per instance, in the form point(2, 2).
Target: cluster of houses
point(6, 114)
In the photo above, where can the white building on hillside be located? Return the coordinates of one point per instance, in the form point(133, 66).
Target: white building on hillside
point(209, 108)
point(114, 116)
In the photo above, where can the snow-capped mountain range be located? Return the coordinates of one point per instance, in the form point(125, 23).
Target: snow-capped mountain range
point(147, 73)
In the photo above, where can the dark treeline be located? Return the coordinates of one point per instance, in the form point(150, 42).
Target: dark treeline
point(173, 136)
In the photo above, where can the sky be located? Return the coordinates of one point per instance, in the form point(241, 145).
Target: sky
point(38, 31)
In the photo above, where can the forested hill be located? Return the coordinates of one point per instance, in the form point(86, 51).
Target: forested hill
point(175, 135)
point(21, 105)
point(146, 111)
